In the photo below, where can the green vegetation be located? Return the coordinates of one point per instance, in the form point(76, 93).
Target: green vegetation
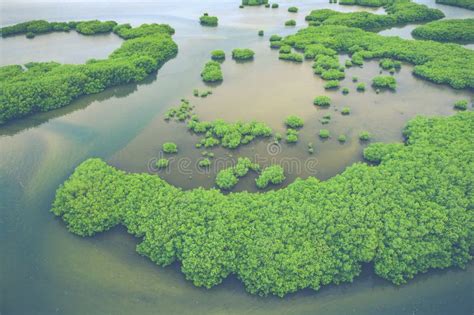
point(204, 163)
point(361, 87)
point(458, 31)
point(295, 57)
point(242, 54)
point(467, 4)
point(170, 147)
point(324, 133)
point(35, 27)
point(317, 50)
point(346, 111)
point(180, 113)
point(405, 216)
point(212, 72)
point(95, 27)
point(285, 49)
point(226, 179)
point(399, 12)
point(261, 33)
point(292, 135)
point(45, 86)
point(273, 174)
point(323, 101)
point(310, 148)
point(254, 2)
point(365, 3)
point(342, 138)
point(333, 84)
point(461, 105)
point(377, 152)
point(294, 121)
point(162, 163)
point(207, 20)
point(384, 81)
point(365, 136)
point(218, 55)
point(345, 90)
point(275, 38)
point(290, 23)
point(355, 79)
point(348, 63)
point(275, 5)
point(388, 64)
point(229, 177)
point(293, 9)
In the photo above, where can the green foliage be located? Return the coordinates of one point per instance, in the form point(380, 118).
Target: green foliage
point(355, 79)
point(95, 27)
point(458, 31)
point(35, 27)
point(384, 81)
point(293, 9)
point(242, 54)
point(170, 147)
point(313, 50)
point(292, 135)
point(254, 2)
point(207, 20)
point(294, 121)
point(162, 163)
point(229, 177)
point(126, 31)
point(342, 138)
point(291, 57)
point(204, 163)
point(218, 55)
point(310, 148)
point(399, 12)
point(290, 23)
point(365, 3)
point(361, 87)
point(226, 179)
point(229, 135)
point(365, 136)
point(180, 113)
point(405, 216)
point(388, 63)
point(323, 101)
point(285, 49)
point(273, 174)
point(275, 5)
point(346, 111)
point(461, 105)
point(261, 33)
point(275, 38)
point(48, 85)
point(348, 63)
point(324, 133)
point(333, 84)
point(345, 91)
point(377, 152)
point(212, 72)
point(467, 4)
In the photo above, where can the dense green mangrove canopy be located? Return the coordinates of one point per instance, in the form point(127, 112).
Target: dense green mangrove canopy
point(461, 31)
point(410, 213)
point(436, 62)
point(467, 4)
point(399, 12)
point(44, 86)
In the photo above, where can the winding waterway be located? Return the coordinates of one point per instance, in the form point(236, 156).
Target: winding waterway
point(47, 270)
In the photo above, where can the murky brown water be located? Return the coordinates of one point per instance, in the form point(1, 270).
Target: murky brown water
point(46, 270)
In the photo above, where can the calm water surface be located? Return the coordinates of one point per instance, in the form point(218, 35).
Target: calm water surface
point(47, 270)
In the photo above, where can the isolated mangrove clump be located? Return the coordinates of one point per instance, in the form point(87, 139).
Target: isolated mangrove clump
point(323, 101)
point(212, 72)
point(207, 20)
point(461, 105)
point(170, 147)
point(162, 163)
point(242, 54)
point(218, 55)
point(384, 81)
point(294, 121)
